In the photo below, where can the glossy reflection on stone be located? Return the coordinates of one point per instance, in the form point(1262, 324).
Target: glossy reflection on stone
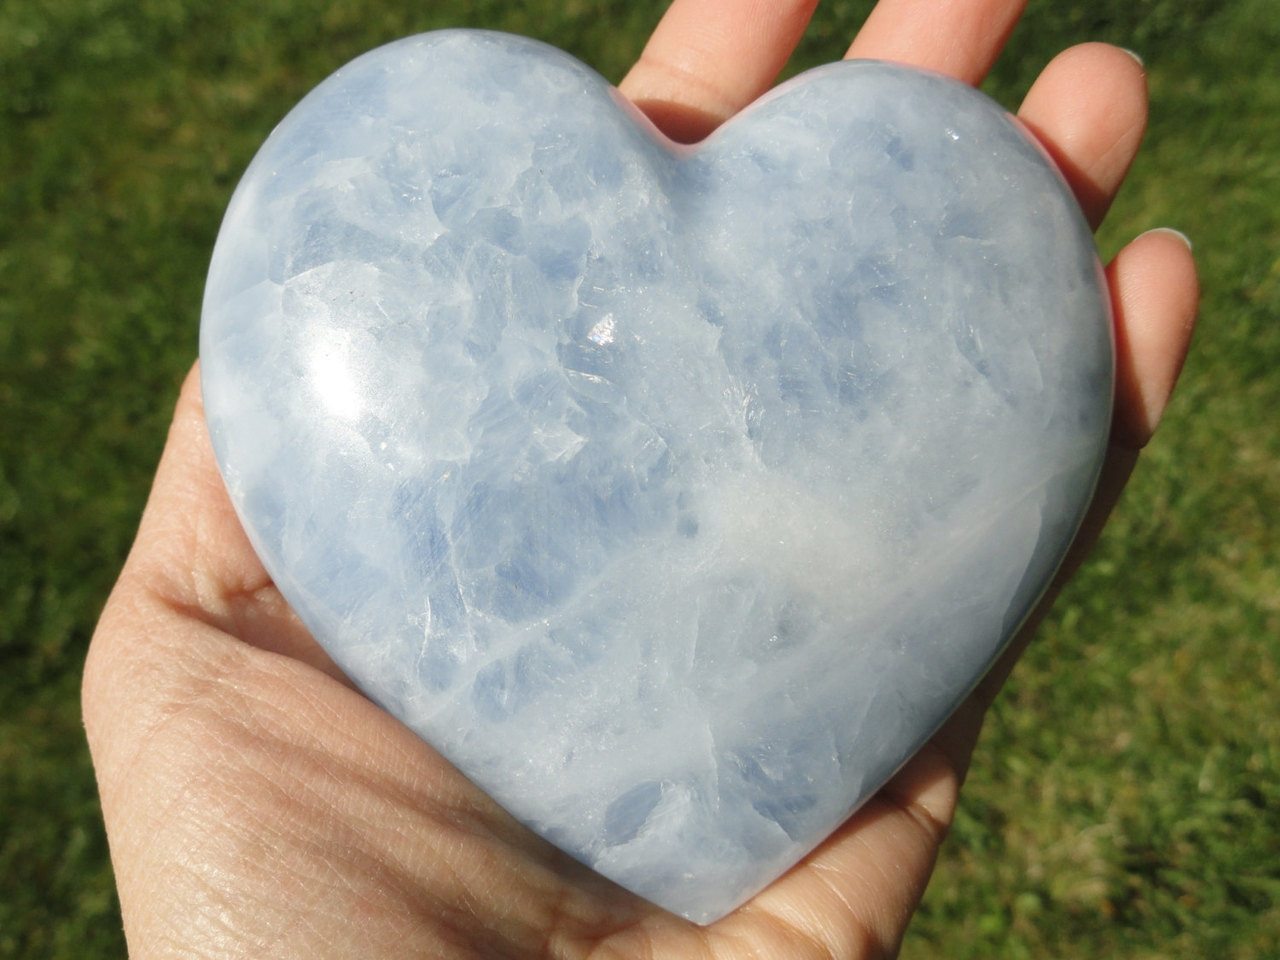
point(675, 495)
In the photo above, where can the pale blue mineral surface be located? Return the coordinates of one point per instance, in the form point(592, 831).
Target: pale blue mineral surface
point(676, 495)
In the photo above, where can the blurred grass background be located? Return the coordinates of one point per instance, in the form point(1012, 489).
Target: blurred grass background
point(1125, 800)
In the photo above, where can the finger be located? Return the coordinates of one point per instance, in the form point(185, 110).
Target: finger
point(856, 893)
point(959, 735)
point(192, 555)
point(1154, 294)
point(190, 540)
point(708, 59)
point(1089, 109)
point(959, 38)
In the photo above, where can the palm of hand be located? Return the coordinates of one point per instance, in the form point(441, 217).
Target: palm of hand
point(257, 805)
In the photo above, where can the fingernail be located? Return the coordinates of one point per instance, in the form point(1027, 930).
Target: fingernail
point(1135, 57)
point(1176, 233)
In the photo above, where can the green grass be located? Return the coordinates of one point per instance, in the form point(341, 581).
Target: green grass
point(1126, 796)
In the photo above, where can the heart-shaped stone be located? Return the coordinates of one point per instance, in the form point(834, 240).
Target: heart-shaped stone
point(676, 495)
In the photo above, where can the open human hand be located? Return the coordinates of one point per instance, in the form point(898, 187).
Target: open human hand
point(257, 805)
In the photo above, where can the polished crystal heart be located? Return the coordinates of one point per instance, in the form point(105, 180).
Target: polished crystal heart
point(676, 495)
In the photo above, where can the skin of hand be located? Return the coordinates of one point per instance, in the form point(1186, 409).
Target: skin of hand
point(257, 805)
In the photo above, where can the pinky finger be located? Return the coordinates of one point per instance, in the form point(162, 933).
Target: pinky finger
point(1154, 292)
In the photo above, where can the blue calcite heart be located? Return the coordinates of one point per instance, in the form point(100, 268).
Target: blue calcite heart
point(676, 495)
